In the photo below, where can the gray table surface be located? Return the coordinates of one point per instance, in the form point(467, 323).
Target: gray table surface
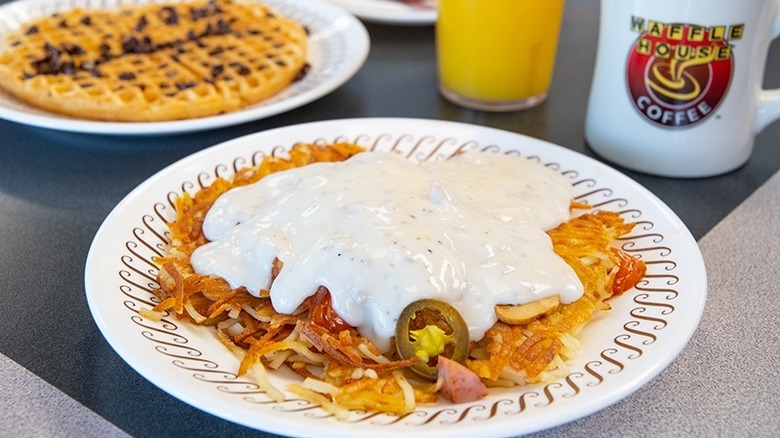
point(725, 382)
point(60, 377)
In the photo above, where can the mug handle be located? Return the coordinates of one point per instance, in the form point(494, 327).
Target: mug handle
point(769, 100)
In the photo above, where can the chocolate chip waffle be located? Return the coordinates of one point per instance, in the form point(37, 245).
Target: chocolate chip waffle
point(153, 62)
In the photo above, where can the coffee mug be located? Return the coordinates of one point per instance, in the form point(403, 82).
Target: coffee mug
point(677, 85)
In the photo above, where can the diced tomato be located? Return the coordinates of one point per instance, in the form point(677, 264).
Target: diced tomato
point(322, 313)
point(630, 271)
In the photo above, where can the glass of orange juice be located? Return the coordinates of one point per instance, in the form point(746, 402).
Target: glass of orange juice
point(497, 55)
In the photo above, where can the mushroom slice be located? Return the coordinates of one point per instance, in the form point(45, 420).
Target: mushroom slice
point(524, 313)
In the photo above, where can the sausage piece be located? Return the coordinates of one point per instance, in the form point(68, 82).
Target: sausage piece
point(461, 385)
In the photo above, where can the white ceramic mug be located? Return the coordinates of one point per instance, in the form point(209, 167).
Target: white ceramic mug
point(677, 86)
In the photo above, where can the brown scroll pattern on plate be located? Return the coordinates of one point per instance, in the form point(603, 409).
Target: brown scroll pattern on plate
point(653, 298)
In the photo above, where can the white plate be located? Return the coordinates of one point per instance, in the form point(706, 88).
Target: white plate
point(389, 12)
point(623, 350)
point(338, 47)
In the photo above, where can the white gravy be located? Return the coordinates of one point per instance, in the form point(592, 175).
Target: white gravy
point(381, 232)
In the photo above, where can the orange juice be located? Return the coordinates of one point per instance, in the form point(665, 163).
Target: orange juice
point(497, 54)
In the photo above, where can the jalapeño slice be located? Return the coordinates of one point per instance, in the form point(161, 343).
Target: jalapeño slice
point(429, 328)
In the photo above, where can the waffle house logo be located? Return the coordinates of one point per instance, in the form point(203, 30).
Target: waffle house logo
point(679, 73)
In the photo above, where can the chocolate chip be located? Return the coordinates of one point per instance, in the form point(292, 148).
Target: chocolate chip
point(222, 27)
point(207, 11)
point(63, 23)
point(86, 20)
point(241, 69)
point(73, 49)
point(51, 63)
point(302, 72)
point(105, 50)
point(127, 76)
point(135, 45)
point(216, 51)
point(217, 70)
point(32, 30)
point(170, 16)
point(141, 24)
point(68, 68)
point(185, 85)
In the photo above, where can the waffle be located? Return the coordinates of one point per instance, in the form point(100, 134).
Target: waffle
point(153, 62)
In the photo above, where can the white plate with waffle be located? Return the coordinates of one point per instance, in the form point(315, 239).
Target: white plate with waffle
point(397, 12)
point(338, 45)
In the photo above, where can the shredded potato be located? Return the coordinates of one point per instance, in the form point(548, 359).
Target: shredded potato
point(340, 369)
